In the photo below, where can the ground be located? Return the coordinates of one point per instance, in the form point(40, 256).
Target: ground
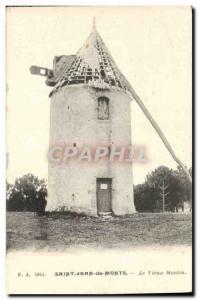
point(58, 231)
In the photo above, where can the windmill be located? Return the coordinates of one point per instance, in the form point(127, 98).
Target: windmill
point(94, 67)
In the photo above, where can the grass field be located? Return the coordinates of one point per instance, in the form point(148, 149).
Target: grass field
point(58, 232)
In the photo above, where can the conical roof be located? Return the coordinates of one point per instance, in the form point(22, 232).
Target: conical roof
point(93, 65)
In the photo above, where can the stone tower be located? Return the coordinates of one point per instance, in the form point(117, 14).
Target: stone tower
point(89, 106)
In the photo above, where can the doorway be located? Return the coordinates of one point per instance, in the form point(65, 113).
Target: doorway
point(104, 206)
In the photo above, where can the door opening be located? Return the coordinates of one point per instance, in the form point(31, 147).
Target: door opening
point(104, 206)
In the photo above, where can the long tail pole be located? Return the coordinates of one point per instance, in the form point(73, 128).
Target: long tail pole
point(157, 129)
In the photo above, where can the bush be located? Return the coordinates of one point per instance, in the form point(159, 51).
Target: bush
point(28, 193)
point(145, 198)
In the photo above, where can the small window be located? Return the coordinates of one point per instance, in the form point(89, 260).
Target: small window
point(103, 108)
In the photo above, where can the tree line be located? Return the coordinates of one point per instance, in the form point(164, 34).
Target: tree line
point(164, 189)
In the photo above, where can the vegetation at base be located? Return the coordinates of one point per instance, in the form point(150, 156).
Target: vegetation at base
point(28, 193)
point(175, 186)
point(65, 214)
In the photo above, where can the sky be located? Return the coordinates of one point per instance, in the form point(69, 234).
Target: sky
point(150, 45)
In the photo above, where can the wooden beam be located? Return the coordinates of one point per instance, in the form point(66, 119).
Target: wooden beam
point(157, 128)
point(36, 70)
